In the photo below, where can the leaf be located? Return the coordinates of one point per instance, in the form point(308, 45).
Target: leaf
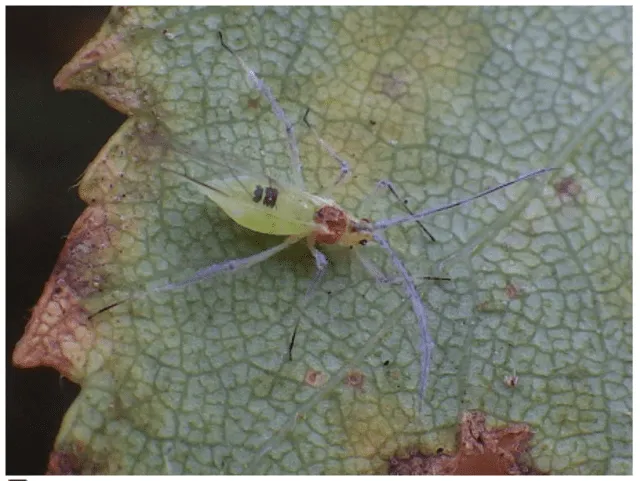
point(443, 102)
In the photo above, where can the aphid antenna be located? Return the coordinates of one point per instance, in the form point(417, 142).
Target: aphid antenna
point(389, 185)
point(386, 223)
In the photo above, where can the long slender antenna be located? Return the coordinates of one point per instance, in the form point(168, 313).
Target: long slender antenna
point(392, 189)
point(385, 224)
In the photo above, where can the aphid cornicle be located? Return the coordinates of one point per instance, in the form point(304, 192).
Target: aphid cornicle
point(264, 205)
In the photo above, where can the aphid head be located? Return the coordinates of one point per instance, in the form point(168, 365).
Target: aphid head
point(359, 232)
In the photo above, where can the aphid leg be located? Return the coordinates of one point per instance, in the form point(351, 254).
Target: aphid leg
point(372, 269)
point(321, 265)
point(321, 268)
point(392, 190)
point(426, 342)
point(208, 272)
point(277, 110)
point(228, 266)
point(345, 169)
point(382, 278)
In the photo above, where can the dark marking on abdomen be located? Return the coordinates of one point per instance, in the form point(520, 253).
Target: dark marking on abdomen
point(257, 193)
point(270, 197)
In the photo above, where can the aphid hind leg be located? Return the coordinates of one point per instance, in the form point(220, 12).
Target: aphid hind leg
point(231, 265)
point(277, 110)
point(345, 169)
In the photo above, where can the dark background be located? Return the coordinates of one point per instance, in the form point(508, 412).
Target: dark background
point(51, 137)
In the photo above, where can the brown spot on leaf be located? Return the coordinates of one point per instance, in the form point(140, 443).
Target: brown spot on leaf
point(315, 378)
point(481, 451)
point(72, 461)
point(93, 52)
point(253, 103)
point(391, 84)
point(512, 291)
point(59, 334)
point(63, 463)
point(355, 379)
point(567, 187)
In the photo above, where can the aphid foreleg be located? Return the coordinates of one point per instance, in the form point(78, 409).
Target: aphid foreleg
point(345, 169)
point(392, 190)
point(426, 342)
point(277, 110)
point(372, 269)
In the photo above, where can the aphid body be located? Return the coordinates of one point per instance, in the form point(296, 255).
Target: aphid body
point(261, 204)
point(275, 209)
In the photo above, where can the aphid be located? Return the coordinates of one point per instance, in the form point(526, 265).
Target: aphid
point(267, 206)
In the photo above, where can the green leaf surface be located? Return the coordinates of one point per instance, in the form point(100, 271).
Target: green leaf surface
point(443, 102)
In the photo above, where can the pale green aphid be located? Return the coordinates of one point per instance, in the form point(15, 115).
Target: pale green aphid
point(261, 204)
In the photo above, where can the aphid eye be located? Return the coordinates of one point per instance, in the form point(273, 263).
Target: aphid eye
point(363, 242)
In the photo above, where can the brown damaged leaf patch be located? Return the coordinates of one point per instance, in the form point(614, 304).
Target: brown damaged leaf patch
point(96, 50)
point(59, 334)
point(64, 463)
point(481, 451)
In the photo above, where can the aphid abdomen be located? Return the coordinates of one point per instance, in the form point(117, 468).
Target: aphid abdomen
point(269, 210)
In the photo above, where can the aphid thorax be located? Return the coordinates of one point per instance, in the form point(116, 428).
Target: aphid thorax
point(336, 226)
